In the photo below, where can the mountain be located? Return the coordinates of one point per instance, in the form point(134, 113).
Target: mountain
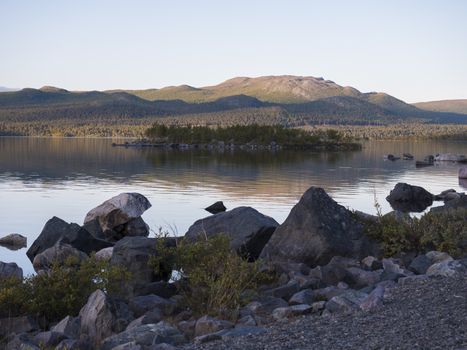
point(277, 89)
point(297, 100)
point(5, 89)
point(450, 106)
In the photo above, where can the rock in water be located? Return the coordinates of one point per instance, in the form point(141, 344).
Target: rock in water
point(13, 241)
point(450, 157)
point(118, 210)
point(215, 208)
point(317, 229)
point(248, 229)
point(463, 173)
point(56, 230)
point(408, 198)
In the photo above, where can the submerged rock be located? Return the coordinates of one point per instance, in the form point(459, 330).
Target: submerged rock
point(316, 230)
point(248, 229)
point(408, 198)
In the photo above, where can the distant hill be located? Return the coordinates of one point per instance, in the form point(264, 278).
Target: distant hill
point(450, 106)
point(297, 100)
point(5, 89)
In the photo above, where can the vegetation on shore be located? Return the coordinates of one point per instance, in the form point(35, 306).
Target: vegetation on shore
point(442, 231)
point(245, 134)
point(60, 292)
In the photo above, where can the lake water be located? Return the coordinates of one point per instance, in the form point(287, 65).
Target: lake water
point(41, 178)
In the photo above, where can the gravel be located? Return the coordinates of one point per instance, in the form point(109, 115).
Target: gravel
point(425, 314)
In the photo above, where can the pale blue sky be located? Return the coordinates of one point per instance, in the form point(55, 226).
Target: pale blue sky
point(415, 50)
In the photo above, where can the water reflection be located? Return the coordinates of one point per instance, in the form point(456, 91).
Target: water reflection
point(40, 178)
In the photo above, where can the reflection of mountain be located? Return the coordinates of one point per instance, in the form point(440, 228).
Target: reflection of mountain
point(35, 160)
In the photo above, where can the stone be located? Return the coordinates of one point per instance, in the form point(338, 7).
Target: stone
point(459, 202)
point(133, 228)
point(390, 265)
point(266, 305)
point(49, 339)
point(22, 324)
point(61, 254)
point(291, 311)
point(316, 230)
point(134, 254)
point(187, 328)
point(208, 324)
point(347, 302)
point(69, 326)
point(447, 268)
point(450, 157)
point(285, 291)
point(408, 198)
point(305, 296)
point(215, 208)
point(336, 270)
point(13, 241)
point(412, 280)
point(146, 335)
point(420, 264)
point(318, 306)
point(118, 210)
point(99, 317)
point(247, 320)
point(141, 304)
point(374, 299)
point(358, 278)
point(161, 288)
point(436, 256)
point(463, 172)
point(328, 293)
point(372, 263)
point(247, 229)
point(105, 254)
point(10, 270)
point(56, 230)
point(21, 342)
point(152, 316)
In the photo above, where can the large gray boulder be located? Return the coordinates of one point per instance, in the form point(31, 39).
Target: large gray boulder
point(121, 215)
point(57, 230)
point(10, 270)
point(61, 254)
point(134, 254)
point(408, 198)
point(145, 336)
point(70, 326)
point(317, 229)
point(248, 229)
point(101, 317)
point(13, 241)
point(457, 203)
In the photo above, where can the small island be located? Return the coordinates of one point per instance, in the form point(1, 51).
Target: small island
point(255, 137)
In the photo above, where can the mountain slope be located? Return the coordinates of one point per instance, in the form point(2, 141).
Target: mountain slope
point(450, 106)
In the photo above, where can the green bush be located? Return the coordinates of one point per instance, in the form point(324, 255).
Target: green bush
point(213, 277)
point(443, 231)
point(61, 292)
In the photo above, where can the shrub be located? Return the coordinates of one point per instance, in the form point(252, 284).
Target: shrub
point(444, 231)
point(213, 277)
point(61, 292)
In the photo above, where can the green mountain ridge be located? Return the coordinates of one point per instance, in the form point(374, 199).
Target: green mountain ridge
point(300, 100)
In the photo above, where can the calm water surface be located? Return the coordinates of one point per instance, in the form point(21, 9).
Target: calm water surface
point(41, 178)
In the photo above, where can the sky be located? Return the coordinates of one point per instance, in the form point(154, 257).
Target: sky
point(415, 50)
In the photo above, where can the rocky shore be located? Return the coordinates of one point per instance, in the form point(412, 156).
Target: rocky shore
point(331, 283)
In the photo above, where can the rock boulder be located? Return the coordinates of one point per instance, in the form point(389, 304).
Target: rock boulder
point(317, 229)
point(248, 229)
point(408, 198)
